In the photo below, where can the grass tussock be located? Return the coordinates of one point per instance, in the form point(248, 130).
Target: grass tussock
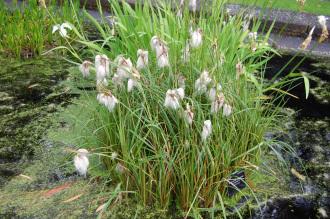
point(142, 132)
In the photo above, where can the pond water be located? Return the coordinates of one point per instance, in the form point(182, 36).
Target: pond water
point(31, 93)
point(308, 132)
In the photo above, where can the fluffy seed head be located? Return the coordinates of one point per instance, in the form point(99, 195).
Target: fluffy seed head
point(172, 99)
point(207, 130)
point(142, 61)
point(227, 110)
point(196, 38)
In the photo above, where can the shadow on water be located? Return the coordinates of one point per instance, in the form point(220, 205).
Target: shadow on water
point(317, 104)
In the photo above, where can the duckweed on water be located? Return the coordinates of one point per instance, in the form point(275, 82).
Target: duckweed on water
point(27, 99)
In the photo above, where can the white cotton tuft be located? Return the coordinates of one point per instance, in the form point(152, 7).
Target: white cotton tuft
point(217, 103)
point(102, 67)
point(161, 52)
point(172, 100)
point(163, 61)
point(207, 130)
point(227, 110)
point(202, 82)
point(154, 42)
point(56, 28)
point(196, 38)
point(108, 100)
point(131, 83)
point(322, 20)
point(124, 67)
point(85, 68)
point(81, 162)
point(62, 29)
point(188, 115)
point(142, 61)
point(213, 92)
point(101, 72)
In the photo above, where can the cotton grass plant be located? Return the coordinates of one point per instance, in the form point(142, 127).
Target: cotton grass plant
point(189, 122)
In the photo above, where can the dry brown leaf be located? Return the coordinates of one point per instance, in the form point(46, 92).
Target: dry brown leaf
point(25, 176)
point(101, 207)
point(57, 189)
point(73, 198)
point(298, 175)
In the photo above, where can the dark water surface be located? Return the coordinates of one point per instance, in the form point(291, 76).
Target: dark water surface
point(309, 134)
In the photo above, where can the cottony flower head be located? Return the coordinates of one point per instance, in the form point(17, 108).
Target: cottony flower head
point(161, 52)
point(202, 82)
point(62, 28)
point(85, 68)
point(213, 91)
point(81, 162)
point(134, 80)
point(172, 99)
point(163, 61)
point(124, 67)
point(207, 130)
point(196, 38)
point(227, 110)
point(322, 20)
point(188, 115)
point(120, 168)
point(102, 66)
point(142, 61)
point(155, 42)
point(106, 98)
point(217, 103)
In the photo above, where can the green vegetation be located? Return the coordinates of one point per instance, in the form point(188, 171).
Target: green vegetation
point(26, 30)
point(147, 148)
point(318, 7)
